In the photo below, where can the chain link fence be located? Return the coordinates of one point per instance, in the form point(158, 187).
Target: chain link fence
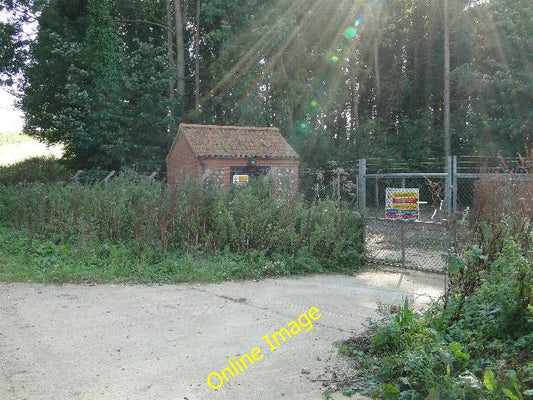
point(336, 183)
point(416, 244)
point(445, 203)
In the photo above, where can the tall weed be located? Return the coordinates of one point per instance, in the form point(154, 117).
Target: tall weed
point(199, 215)
point(35, 169)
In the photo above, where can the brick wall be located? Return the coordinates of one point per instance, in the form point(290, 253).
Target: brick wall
point(221, 169)
point(182, 162)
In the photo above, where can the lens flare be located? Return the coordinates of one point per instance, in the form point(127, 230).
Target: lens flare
point(302, 127)
point(357, 21)
point(334, 59)
point(350, 33)
point(314, 103)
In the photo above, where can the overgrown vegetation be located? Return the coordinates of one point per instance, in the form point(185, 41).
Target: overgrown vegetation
point(36, 169)
point(477, 343)
point(135, 228)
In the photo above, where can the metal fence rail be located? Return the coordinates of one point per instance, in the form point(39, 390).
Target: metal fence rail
point(447, 195)
point(417, 244)
point(446, 200)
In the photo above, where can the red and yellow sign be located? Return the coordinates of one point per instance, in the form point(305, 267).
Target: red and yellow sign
point(402, 203)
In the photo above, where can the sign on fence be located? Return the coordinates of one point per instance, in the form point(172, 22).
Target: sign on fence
point(402, 203)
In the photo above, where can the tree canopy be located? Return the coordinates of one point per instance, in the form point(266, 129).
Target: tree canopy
point(111, 79)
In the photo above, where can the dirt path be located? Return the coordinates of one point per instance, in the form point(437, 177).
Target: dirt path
point(160, 342)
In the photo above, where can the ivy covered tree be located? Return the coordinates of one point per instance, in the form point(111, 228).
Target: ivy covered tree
point(107, 106)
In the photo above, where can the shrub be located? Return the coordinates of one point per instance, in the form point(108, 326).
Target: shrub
point(477, 345)
point(143, 213)
point(336, 235)
point(36, 169)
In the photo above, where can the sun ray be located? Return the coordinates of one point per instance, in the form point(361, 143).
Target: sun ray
point(262, 47)
point(247, 59)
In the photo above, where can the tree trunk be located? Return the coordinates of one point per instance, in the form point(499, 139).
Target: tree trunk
point(354, 123)
point(447, 136)
point(289, 98)
point(170, 46)
point(376, 69)
point(180, 47)
point(197, 58)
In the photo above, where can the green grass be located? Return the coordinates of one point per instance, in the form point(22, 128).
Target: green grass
point(34, 169)
point(43, 261)
point(135, 229)
point(476, 346)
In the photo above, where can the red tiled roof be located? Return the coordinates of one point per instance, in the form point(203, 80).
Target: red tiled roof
point(236, 142)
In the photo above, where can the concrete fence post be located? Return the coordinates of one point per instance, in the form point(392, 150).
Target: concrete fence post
point(77, 177)
point(109, 176)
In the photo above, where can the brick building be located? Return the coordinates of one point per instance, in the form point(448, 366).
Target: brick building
point(226, 151)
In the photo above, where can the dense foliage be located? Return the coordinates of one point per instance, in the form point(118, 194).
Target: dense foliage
point(143, 216)
point(36, 169)
point(111, 79)
point(477, 343)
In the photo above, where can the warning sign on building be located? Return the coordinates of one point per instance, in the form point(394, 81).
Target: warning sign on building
point(402, 203)
point(240, 180)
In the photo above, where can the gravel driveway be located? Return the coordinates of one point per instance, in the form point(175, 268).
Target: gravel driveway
point(161, 342)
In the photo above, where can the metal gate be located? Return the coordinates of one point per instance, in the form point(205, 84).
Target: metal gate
point(446, 196)
point(420, 243)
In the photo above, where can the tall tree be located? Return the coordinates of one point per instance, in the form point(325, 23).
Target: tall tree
point(341, 79)
point(180, 17)
point(105, 77)
point(447, 134)
point(14, 40)
point(55, 52)
point(497, 78)
point(104, 96)
point(197, 57)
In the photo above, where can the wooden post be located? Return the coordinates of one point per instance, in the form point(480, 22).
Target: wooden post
point(447, 134)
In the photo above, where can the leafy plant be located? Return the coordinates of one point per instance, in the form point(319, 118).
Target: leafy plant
point(271, 236)
point(476, 345)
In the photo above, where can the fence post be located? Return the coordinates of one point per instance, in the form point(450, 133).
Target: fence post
point(109, 176)
point(361, 186)
point(78, 176)
point(448, 193)
point(454, 186)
